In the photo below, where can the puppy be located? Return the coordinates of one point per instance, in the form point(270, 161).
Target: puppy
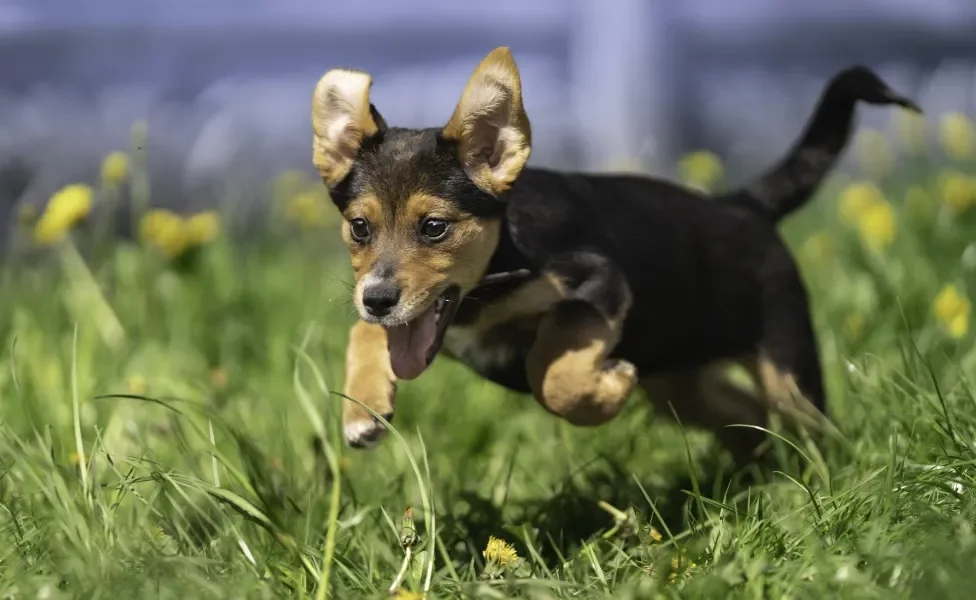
point(572, 287)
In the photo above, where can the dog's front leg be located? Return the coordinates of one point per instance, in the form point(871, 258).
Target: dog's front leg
point(568, 367)
point(369, 379)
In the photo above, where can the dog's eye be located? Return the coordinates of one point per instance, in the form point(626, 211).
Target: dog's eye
point(434, 229)
point(359, 229)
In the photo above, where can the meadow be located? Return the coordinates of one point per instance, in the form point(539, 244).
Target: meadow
point(169, 418)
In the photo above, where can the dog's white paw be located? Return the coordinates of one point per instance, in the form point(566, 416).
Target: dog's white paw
point(363, 434)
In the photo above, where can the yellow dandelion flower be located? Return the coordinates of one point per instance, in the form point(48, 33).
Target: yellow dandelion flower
point(680, 561)
point(115, 168)
point(911, 130)
point(701, 169)
point(818, 248)
point(501, 552)
point(308, 209)
point(499, 557)
point(958, 136)
point(958, 190)
point(202, 228)
point(873, 153)
point(136, 385)
point(952, 309)
point(173, 235)
point(959, 326)
point(73, 459)
point(681, 567)
point(855, 200)
point(156, 533)
point(163, 230)
point(877, 226)
point(69, 206)
point(402, 594)
point(919, 205)
point(655, 535)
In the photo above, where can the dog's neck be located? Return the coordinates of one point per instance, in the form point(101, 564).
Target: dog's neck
point(507, 265)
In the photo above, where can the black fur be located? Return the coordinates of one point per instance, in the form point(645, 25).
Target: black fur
point(792, 182)
point(710, 277)
point(705, 278)
point(397, 162)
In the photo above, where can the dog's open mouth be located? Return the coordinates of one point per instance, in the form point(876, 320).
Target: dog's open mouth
point(413, 345)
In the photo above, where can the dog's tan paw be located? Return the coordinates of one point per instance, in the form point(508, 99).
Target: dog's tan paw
point(359, 428)
point(618, 380)
point(364, 433)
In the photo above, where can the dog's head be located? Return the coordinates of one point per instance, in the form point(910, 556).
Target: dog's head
point(422, 207)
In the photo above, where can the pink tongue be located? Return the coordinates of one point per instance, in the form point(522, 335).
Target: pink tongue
point(408, 344)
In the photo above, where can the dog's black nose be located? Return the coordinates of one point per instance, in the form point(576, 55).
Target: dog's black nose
point(380, 298)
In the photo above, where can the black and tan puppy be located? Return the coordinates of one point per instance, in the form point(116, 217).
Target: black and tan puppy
point(629, 280)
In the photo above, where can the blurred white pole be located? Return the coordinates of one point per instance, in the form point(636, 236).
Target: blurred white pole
point(620, 59)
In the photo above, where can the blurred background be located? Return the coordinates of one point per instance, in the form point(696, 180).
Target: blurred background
point(624, 84)
point(187, 121)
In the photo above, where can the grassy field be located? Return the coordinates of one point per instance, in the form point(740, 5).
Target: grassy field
point(168, 427)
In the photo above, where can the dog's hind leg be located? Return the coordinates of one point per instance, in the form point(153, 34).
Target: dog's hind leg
point(568, 367)
point(784, 364)
point(787, 363)
point(704, 397)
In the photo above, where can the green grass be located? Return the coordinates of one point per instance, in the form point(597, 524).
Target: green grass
point(213, 467)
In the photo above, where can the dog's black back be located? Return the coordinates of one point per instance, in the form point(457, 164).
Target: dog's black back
point(703, 270)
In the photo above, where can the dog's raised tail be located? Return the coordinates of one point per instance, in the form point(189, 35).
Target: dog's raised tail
point(792, 182)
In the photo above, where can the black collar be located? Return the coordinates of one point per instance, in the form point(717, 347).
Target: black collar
point(503, 277)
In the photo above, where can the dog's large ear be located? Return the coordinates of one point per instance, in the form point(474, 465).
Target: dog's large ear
point(490, 126)
point(342, 117)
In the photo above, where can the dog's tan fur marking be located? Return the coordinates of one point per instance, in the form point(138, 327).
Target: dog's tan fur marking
point(568, 373)
point(369, 376)
point(340, 121)
point(530, 299)
point(362, 257)
point(460, 259)
point(491, 127)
